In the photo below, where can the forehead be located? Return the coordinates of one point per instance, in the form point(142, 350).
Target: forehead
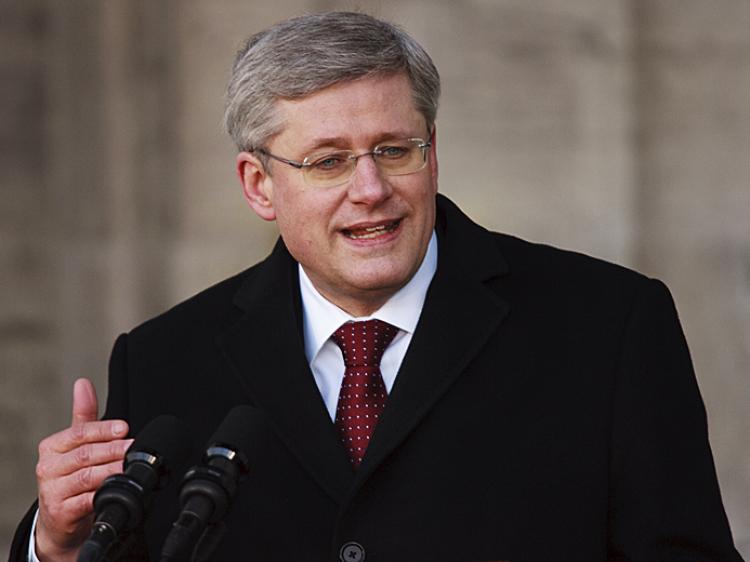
point(355, 113)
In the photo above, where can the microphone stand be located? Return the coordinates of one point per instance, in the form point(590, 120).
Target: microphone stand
point(211, 538)
point(204, 549)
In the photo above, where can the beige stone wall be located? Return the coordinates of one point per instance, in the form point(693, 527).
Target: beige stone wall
point(693, 143)
point(618, 128)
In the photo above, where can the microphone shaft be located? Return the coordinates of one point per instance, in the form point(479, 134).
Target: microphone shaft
point(187, 530)
point(103, 534)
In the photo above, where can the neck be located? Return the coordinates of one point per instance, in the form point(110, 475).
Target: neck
point(357, 307)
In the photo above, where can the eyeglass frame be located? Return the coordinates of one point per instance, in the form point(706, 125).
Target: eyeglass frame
point(423, 146)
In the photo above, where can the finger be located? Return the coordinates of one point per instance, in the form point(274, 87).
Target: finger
point(89, 454)
point(80, 506)
point(79, 482)
point(85, 404)
point(82, 433)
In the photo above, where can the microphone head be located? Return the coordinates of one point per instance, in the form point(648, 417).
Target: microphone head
point(163, 443)
point(122, 500)
point(236, 434)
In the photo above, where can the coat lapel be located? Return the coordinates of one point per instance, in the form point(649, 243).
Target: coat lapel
point(266, 351)
point(459, 316)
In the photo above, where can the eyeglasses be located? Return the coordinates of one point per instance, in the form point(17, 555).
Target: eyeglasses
point(393, 158)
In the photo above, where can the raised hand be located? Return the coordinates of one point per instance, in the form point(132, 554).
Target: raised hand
point(72, 464)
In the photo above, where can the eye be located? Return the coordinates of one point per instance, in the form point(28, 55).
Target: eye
point(393, 152)
point(329, 163)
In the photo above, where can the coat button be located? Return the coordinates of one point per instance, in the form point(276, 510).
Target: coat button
point(352, 552)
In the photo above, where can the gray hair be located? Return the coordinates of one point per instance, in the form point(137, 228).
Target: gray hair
point(304, 55)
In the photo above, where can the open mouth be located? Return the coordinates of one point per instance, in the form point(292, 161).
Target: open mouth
point(371, 232)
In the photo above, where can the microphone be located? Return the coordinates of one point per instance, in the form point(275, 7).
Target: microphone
point(208, 489)
point(121, 502)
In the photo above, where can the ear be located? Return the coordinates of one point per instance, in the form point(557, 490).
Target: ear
point(257, 185)
point(433, 161)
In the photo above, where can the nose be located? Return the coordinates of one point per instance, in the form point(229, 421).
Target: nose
point(368, 184)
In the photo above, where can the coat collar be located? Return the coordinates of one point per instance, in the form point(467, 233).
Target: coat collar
point(266, 350)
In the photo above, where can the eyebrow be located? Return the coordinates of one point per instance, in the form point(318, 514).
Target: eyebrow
point(317, 144)
point(338, 142)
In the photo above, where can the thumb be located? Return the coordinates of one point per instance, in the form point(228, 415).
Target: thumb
point(85, 405)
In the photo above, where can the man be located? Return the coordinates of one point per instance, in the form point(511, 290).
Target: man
point(530, 404)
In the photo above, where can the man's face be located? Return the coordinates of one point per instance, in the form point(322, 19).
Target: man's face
point(332, 231)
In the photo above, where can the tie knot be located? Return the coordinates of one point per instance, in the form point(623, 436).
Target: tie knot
point(363, 343)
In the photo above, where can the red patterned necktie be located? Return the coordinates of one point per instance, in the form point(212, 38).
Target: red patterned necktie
point(363, 394)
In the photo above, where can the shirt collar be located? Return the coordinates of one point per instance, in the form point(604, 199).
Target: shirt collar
point(322, 317)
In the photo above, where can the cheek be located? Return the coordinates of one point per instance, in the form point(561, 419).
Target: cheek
point(303, 227)
point(289, 211)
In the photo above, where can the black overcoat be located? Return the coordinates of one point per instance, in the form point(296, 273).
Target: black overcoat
point(546, 410)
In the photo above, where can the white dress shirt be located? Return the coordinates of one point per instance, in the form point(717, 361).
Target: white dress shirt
point(322, 318)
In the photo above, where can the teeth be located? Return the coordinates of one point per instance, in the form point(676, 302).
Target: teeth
point(370, 232)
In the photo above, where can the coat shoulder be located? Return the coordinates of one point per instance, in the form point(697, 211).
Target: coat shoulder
point(533, 266)
point(213, 306)
point(564, 267)
point(584, 286)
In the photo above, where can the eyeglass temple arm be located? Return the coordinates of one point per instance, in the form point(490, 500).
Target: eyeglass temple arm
point(298, 165)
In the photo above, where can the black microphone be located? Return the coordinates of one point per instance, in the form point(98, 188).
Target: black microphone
point(122, 501)
point(208, 489)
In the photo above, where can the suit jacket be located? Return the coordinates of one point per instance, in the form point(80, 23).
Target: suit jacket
point(546, 410)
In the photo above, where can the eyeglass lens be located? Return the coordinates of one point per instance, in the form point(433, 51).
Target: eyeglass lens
point(394, 158)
